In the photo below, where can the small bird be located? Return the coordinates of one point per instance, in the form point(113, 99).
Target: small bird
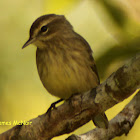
point(64, 59)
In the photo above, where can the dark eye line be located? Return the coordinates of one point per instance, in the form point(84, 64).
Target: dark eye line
point(44, 28)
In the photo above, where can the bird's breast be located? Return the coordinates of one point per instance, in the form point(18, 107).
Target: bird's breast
point(63, 75)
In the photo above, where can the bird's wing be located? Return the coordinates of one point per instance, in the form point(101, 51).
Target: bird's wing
point(88, 50)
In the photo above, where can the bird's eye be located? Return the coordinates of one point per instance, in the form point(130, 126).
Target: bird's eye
point(44, 28)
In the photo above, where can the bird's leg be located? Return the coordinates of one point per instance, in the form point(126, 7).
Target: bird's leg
point(53, 106)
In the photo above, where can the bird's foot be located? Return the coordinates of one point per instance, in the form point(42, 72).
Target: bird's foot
point(53, 106)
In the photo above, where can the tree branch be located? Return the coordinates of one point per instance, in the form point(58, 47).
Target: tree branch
point(119, 125)
point(81, 108)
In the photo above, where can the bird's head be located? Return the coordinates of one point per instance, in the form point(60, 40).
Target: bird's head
point(48, 27)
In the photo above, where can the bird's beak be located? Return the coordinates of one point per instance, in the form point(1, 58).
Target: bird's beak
point(30, 41)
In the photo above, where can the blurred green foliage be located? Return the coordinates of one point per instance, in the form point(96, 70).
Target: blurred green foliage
point(116, 12)
point(125, 31)
point(118, 52)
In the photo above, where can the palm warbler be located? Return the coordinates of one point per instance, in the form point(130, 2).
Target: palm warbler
point(64, 59)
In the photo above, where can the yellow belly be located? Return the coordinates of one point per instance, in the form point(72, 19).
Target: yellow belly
point(64, 79)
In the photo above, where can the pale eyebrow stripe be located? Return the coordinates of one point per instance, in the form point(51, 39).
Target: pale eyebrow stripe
point(46, 22)
point(51, 19)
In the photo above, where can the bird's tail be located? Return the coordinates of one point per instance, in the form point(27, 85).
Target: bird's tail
point(101, 121)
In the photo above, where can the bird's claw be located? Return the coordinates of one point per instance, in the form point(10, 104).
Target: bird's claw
point(53, 106)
